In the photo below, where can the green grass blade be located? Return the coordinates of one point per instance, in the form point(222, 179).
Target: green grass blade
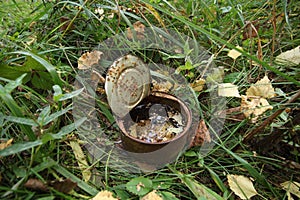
point(49, 67)
point(21, 120)
point(252, 171)
point(81, 184)
point(199, 190)
point(16, 111)
point(55, 115)
point(17, 148)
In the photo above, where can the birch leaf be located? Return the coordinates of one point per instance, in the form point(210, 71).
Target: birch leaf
point(87, 60)
point(291, 187)
point(241, 186)
point(262, 88)
point(291, 57)
point(254, 107)
point(81, 160)
point(234, 54)
point(198, 85)
point(228, 90)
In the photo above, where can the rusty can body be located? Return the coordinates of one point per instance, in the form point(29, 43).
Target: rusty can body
point(167, 148)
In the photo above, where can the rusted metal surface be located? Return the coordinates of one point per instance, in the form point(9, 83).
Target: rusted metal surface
point(174, 145)
point(127, 83)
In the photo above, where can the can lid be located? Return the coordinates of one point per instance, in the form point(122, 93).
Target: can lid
point(127, 83)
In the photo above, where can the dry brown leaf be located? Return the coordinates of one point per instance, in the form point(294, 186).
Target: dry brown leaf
point(152, 196)
point(64, 186)
point(254, 107)
point(291, 187)
point(241, 186)
point(6, 144)
point(234, 54)
point(87, 60)
point(36, 184)
point(262, 88)
point(67, 24)
point(198, 85)
point(202, 135)
point(228, 90)
point(251, 29)
point(104, 195)
point(81, 160)
point(138, 28)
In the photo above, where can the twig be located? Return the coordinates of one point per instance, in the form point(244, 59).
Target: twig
point(268, 121)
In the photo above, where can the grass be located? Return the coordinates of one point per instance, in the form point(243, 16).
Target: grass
point(41, 43)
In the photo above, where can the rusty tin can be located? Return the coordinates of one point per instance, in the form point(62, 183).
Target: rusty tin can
point(170, 148)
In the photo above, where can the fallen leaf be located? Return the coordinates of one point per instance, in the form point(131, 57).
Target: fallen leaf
point(6, 144)
point(228, 90)
point(202, 135)
point(138, 28)
point(254, 107)
point(163, 86)
point(251, 29)
point(104, 195)
point(290, 57)
point(64, 186)
point(234, 54)
point(241, 186)
point(36, 184)
point(198, 85)
point(87, 60)
point(152, 196)
point(81, 160)
point(67, 24)
point(291, 187)
point(262, 88)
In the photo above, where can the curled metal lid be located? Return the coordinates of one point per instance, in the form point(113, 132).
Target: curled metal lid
point(127, 83)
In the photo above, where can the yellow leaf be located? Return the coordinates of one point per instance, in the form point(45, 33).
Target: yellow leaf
point(234, 54)
point(228, 90)
point(198, 85)
point(241, 186)
point(291, 57)
point(291, 187)
point(104, 195)
point(262, 88)
point(80, 157)
point(152, 196)
point(6, 144)
point(88, 59)
point(254, 107)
